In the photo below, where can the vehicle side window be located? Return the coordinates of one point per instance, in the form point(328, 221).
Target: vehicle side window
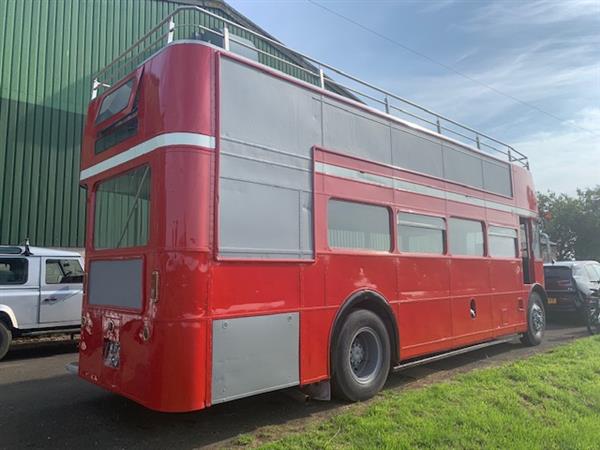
point(502, 242)
point(358, 226)
point(418, 233)
point(13, 271)
point(63, 271)
point(466, 237)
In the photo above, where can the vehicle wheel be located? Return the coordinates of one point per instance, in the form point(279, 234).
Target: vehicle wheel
point(536, 321)
point(5, 339)
point(361, 357)
point(592, 320)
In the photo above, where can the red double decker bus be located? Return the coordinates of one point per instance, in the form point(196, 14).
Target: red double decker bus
point(250, 229)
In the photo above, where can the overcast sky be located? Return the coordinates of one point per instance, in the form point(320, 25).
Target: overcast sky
point(546, 53)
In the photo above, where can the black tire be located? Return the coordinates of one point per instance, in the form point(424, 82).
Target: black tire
point(360, 357)
point(5, 339)
point(592, 320)
point(536, 321)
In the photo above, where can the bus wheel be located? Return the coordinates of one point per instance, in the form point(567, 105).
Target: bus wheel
point(361, 357)
point(536, 321)
point(5, 339)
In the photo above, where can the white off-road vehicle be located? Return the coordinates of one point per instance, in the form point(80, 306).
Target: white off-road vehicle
point(40, 292)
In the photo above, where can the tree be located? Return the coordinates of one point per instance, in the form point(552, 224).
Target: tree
point(573, 222)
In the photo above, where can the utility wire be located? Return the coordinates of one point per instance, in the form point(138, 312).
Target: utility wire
point(449, 68)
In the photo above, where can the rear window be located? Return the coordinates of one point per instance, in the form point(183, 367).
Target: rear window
point(122, 215)
point(13, 271)
point(115, 102)
point(557, 278)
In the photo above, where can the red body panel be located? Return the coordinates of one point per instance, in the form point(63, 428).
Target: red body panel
point(166, 349)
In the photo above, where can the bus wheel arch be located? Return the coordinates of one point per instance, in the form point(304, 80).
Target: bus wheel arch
point(376, 303)
point(363, 346)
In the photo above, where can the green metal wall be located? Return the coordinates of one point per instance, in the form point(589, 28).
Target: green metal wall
point(48, 51)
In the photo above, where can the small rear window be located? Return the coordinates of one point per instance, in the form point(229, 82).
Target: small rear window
point(115, 102)
point(13, 271)
point(557, 277)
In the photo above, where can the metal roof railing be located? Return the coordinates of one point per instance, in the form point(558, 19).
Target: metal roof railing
point(193, 22)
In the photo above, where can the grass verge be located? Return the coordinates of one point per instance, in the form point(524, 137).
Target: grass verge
point(551, 400)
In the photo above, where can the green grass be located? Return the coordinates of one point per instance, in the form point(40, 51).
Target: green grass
point(551, 400)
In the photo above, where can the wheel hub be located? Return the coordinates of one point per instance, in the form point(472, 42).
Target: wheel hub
point(365, 355)
point(537, 316)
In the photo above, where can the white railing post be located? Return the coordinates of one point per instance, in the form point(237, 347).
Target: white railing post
point(95, 86)
point(321, 78)
point(171, 34)
point(226, 38)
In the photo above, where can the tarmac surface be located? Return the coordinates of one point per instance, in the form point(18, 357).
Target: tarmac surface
point(41, 406)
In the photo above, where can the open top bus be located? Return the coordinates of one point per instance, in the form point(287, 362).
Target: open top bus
point(252, 227)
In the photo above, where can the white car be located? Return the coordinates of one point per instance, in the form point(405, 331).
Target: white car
point(40, 292)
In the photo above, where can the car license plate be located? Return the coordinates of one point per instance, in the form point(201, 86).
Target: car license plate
point(552, 301)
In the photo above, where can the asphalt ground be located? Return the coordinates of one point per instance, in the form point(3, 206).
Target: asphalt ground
point(41, 406)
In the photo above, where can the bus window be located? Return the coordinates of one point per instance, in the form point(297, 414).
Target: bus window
point(420, 234)
point(115, 102)
point(502, 242)
point(466, 237)
point(122, 212)
point(358, 226)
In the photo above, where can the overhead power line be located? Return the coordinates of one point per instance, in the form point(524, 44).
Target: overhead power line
point(449, 68)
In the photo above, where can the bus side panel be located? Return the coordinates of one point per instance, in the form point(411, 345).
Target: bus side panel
point(424, 286)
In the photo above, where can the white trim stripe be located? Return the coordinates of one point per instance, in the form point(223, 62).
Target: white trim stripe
point(162, 140)
point(415, 188)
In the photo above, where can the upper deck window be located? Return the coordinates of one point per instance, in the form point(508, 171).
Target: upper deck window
point(358, 226)
point(115, 102)
point(418, 233)
point(466, 237)
point(122, 214)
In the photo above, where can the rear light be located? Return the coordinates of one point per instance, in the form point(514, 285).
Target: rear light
point(154, 287)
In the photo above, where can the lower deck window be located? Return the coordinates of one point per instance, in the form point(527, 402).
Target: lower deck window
point(418, 233)
point(358, 226)
point(502, 242)
point(466, 237)
point(122, 213)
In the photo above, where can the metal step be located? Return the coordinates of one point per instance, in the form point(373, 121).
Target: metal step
point(460, 351)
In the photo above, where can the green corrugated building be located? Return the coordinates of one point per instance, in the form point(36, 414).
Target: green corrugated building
point(49, 50)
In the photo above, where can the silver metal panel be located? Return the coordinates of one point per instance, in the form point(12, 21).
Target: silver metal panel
point(264, 167)
point(261, 109)
point(116, 283)
point(463, 167)
point(496, 177)
point(349, 130)
point(256, 354)
point(259, 220)
point(413, 152)
point(265, 202)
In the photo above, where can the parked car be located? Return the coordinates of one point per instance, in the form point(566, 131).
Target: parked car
point(570, 284)
point(40, 292)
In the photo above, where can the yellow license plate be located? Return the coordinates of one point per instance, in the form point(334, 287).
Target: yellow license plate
point(552, 301)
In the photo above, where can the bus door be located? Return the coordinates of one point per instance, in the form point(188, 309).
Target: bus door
point(526, 250)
